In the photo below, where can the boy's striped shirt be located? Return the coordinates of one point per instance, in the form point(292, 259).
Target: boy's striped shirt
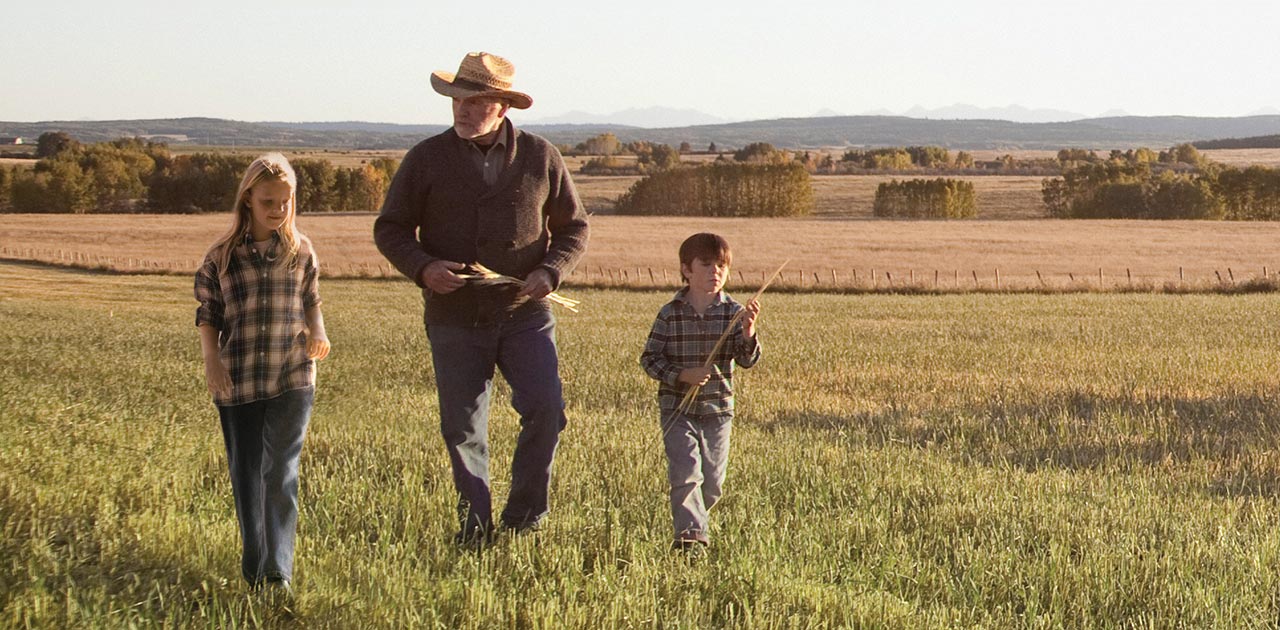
point(681, 338)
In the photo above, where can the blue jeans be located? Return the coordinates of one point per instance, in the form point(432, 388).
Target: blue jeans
point(264, 441)
point(697, 459)
point(464, 359)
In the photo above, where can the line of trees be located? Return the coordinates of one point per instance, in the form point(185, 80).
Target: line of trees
point(1133, 191)
point(939, 198)
point(722, 189)
point(132, 175)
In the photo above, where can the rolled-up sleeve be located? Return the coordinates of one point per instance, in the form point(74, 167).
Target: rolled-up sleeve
point(208, 291)
point(311, 283)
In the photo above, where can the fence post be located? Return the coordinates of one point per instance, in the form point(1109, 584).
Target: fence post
point(1180, 276)
point(975, 278)
point(997, 278)
point(1038, 277)
point(1130, 275)
point(1100, 278)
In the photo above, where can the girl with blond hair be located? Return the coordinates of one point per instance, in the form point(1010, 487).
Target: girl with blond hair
point(261, 332)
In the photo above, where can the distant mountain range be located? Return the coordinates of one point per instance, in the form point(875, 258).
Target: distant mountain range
point(648, 117)
point(1117, 132)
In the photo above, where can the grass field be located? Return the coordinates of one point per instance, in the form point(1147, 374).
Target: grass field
point(1066, 253)
point(998, 461)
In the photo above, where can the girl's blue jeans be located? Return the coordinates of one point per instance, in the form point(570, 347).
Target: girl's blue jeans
point(264, 441)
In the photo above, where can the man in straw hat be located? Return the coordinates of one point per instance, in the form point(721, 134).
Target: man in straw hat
point(484, 193)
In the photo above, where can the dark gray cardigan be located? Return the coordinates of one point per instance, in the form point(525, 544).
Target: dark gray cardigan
point(438, 207)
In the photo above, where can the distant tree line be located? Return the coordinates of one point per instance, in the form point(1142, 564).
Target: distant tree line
point(132, 175)
point(1253, 142)
point(939, 198)
point(1130, 186)
point(650, 157)
point(722, 189)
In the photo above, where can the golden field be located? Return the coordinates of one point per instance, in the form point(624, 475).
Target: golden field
point(1064, 252)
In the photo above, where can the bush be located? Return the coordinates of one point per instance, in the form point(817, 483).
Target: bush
point(926, 199)
point(722, 189)
point(6, 185)
point(1124, 189)
point(611, 165)
point(1249, 194)
point(758, 152)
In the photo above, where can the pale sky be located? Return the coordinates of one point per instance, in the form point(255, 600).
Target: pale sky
point(324, 60)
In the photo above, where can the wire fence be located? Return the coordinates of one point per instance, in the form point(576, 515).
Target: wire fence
point(853, 280)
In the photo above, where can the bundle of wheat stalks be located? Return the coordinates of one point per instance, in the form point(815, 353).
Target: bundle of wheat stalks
point(484, 276)
point(689, 396)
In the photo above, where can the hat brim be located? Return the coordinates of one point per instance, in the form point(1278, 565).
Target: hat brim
point(443, 83)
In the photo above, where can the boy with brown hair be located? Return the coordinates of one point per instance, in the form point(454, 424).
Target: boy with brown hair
point(685, 332)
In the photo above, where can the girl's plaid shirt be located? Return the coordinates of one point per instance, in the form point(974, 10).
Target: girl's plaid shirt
point(258, 304)
point(681, 338)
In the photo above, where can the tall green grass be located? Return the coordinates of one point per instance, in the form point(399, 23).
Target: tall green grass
point(1089, 460)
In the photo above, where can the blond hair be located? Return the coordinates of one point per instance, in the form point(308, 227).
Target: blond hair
point(268, 167)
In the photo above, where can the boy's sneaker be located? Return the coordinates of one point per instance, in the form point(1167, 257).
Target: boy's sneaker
point(694, 542)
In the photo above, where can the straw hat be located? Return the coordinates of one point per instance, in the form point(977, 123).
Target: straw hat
point(481, 74)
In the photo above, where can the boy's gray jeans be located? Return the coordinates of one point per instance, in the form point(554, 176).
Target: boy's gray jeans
point(697, 458)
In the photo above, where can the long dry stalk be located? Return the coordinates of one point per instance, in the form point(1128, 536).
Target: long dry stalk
point(692, 393)
point(482, 276)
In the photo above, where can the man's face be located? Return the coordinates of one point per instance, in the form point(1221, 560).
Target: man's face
point(478, 116)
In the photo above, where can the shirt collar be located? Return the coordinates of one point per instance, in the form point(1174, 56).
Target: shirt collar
point(500, 142)
point(272, 250)
point(682, 296)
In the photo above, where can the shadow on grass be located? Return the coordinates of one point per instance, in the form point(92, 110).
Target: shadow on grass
point(1233, 435)
point(84, 567)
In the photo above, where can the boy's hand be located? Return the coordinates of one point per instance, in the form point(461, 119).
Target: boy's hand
point(216, 377)
point(695, 376)
point(439, 277)
point(317, 347)
point(749, 319)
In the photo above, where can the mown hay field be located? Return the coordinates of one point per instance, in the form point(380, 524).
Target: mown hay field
point(640, 251)
point(996, 461)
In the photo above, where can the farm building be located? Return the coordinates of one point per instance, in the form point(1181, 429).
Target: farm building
point(11, 140)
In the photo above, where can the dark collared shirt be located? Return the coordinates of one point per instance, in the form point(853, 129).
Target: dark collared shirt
point(491, 159)
point(258, 305)
point(681, 338)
